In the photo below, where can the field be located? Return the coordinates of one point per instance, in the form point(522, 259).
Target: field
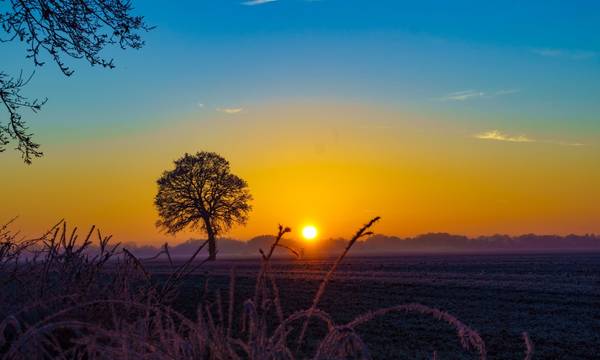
point(61, 298)
point(553, 297)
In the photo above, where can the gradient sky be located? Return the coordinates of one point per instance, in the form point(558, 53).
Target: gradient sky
point(466, 116)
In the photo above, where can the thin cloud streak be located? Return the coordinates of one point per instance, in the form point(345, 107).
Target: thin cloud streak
point(497, 135)
point(476, 94)
point(563, 143)
point(566, 54)
point(257, 2)
point(230, 111)
point(462, 95)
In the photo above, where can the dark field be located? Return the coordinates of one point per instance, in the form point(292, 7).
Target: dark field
point(553, 297)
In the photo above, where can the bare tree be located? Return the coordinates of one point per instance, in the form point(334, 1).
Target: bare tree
point(202, 193)
point(79, 29)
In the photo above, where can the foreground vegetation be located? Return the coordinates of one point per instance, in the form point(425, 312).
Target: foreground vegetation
point(61, 297)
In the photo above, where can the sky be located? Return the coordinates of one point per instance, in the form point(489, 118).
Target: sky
point(467, 117)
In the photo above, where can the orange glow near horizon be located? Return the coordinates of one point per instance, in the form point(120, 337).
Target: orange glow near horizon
point(419, 175)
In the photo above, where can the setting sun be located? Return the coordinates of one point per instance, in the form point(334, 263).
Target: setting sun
point(309, 232)
point(314, 161)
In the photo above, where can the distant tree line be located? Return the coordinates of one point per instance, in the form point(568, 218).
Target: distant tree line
point(381, 244)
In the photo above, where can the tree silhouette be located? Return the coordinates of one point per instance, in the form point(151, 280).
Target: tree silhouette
point(79, 29)
point(202, 193)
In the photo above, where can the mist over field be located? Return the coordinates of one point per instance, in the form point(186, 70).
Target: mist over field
point(386, 245)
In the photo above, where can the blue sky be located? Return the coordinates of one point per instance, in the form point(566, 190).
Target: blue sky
point(535, 63)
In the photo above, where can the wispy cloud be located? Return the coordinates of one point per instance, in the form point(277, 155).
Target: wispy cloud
point(230, 111)
point(564, 143)
point(462, 95)
point(476, 94)
point(566, 54)
point(497, 135)
point(257, 2)
point(500, 136)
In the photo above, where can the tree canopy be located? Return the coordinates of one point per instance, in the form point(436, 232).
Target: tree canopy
point(202, 194)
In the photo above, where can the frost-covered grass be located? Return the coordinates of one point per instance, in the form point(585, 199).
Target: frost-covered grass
point(71, 298)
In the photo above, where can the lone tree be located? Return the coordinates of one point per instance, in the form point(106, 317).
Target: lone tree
point(54, 30)
point(202, 193)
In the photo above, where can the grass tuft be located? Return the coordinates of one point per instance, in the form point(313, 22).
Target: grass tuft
point(70, 298)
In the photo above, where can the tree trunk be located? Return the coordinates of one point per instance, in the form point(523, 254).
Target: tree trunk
point(212, 242)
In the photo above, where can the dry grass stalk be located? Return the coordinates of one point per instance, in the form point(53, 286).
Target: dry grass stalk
point(362, 232)
point(101, 303)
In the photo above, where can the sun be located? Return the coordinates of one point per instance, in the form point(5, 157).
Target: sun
point(309, 232)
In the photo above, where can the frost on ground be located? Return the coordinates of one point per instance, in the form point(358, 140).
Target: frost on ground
point(65, 297)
